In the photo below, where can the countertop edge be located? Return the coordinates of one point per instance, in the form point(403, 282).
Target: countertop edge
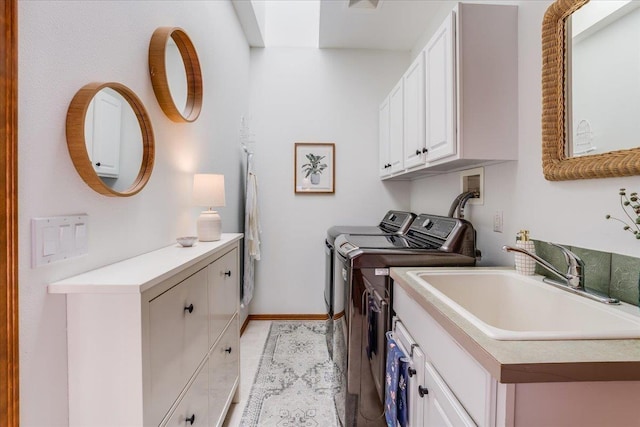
point(523, 371)
point(84, 283)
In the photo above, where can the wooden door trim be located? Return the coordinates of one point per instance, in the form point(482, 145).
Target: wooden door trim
point(9, 355)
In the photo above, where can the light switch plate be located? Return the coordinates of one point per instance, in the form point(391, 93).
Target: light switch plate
point(58, 238)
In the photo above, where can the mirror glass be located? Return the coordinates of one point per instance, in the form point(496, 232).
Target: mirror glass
point(603, 78)
point(176, 75)
point(113, 139)
point(110, 139)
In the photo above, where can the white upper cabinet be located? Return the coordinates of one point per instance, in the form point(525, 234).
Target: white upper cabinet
point(396, 128)
point(469, 93)
point(439, 78)
point(414, 118)
point(384, 165)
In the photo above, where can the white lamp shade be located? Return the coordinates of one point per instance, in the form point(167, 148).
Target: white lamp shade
point(208, 190)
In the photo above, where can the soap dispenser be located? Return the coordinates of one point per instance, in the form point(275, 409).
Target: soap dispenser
point(525, 264)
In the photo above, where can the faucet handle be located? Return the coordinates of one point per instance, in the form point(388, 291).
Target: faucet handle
point(575, 265)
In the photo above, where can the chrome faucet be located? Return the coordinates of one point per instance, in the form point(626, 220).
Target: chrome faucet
point(573, 278)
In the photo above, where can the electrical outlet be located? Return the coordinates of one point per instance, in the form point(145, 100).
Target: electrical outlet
point(497, 222)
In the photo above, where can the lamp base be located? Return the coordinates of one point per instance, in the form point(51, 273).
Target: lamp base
point(209, 226)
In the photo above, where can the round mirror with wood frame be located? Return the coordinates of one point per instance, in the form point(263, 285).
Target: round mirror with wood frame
point(77, 138)
point(160, 74)
point(556, 163)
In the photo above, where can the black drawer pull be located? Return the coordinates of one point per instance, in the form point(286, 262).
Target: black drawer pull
point(191, 419)
point(422, 391)
point(425, 150)
point(228, 350)
point(418, 152)
point(189, 308)
point(412, 372)
point(98, 164)
point(227, 273)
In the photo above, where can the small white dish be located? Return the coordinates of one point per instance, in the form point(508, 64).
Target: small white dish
point(187, 241)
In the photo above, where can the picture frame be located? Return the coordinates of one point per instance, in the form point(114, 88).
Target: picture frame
point(314, 169)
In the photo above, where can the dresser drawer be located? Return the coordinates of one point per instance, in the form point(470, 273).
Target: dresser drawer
point(177, 340)
point(224, 293)
point(193, 408)
point(224, 365)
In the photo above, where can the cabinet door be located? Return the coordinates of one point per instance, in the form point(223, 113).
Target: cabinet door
point(178, 340)
point(416, 374)
point(440, 92)
point(105, 144)
point(383, 164)
point(396, 128)
point(192, 409)
point(414, 118)
point(224, 372)
point(224, 293)
point(441, 408)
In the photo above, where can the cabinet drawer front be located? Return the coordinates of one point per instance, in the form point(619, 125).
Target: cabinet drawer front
point(193, 408)
point(472, 385)
point(224, 293)
point(177, 340)
point(224, 370)
point(441, 406)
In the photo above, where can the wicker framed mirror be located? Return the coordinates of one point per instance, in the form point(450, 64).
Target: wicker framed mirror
point(110, 139)
point(557, 165)
point(175, 74)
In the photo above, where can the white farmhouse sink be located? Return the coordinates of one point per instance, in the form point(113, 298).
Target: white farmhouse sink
point(508, 306)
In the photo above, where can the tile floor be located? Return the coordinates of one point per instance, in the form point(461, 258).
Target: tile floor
point(251, 346)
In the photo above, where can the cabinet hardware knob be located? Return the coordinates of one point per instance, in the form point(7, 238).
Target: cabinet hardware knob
point(227, 273)
point(228, 350)
point(189, 308)
point(191, 419)
point(412, 372)
point(418, 152)
point(422, 391)
point(425, 150)
point(98, 164)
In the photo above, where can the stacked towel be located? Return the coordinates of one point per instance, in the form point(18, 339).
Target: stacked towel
point(395, 390)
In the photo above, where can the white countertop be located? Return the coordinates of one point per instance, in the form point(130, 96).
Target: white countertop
point(137, 274)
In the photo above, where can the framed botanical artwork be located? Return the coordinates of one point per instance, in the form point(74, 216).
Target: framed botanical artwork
point(314, 168)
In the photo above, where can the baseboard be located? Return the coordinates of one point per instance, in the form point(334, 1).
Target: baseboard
point(287, 317)
point(244, 326)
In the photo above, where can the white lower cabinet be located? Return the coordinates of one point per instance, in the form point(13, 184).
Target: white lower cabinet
point(154, 340)
point(450, 387)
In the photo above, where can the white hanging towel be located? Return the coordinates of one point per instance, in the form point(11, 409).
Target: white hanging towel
point(251, 234)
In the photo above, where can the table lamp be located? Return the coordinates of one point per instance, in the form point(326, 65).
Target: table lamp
point(208, 190)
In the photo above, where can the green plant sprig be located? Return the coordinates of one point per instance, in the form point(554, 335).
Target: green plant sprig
point(631, 209)
point(314, 165)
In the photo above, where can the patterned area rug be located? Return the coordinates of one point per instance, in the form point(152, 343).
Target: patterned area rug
point(295, 383)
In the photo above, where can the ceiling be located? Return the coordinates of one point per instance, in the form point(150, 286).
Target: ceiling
point(393, 25)
point(368, 24)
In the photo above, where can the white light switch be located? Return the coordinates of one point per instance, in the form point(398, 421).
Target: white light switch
point(58, 238)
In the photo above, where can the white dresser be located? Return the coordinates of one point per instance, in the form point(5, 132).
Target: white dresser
point(154, 340)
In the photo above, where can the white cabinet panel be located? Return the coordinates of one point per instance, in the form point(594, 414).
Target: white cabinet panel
point(384, 167)
point(107, 124)
point(441, 406)
point(396, 128)
point(224, 371)
point(223, 293)
point(178, 339)
point(439, 85)
point(193, 408)
point(414, 114)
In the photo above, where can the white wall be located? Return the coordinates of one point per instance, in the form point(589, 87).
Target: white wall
point(63, 46)
point(311, 95)
point(571, 212)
